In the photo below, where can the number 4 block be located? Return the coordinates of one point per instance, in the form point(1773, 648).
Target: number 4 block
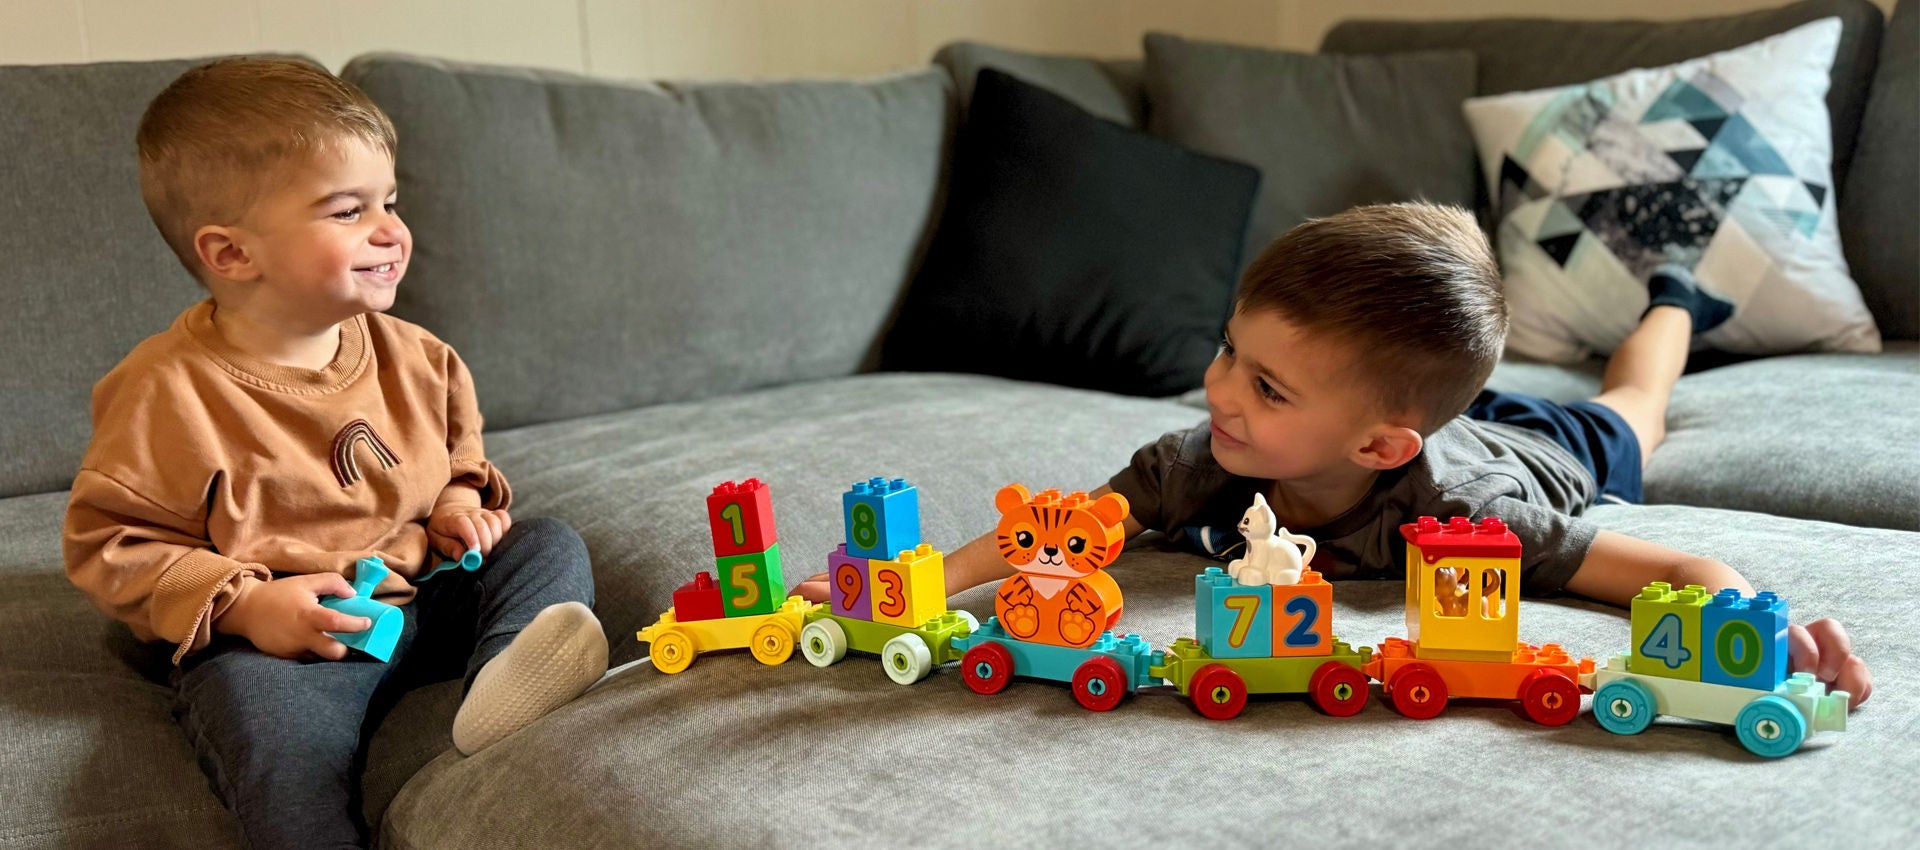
point(1666, 631)
point(883, 517)
point(910, 589)
point(1745, 640)
point(751, 583)
point(741, 516)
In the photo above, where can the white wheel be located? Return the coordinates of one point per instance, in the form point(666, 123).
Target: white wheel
point(823, 642)
point(973, 623)
point(907, 659)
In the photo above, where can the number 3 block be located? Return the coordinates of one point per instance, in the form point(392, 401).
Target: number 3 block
point(741, 516)
point(1666, 631)
point(909, 589)
point(1745, 640)
point(883, 517)
point(1234, 620)
point(848, 576)
point(751, 583)
point(1303, 616)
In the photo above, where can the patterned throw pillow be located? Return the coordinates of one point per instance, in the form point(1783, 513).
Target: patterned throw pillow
point(1718, 164)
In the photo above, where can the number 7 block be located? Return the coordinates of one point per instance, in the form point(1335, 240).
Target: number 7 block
point(741, 517)
point(1233, 620)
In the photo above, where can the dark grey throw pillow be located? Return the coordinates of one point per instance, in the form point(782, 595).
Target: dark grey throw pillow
point(1074, 251)
point(1327, 132)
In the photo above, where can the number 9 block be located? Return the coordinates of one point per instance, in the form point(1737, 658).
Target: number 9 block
point(751, 583)
point(910, 589)
point(847, 576)
point(883, 517)
point(741, 517)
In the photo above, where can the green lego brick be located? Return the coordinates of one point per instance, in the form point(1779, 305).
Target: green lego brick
point(1666, 631)
point(751, 583)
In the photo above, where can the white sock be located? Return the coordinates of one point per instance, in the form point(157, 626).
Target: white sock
point(554, 659)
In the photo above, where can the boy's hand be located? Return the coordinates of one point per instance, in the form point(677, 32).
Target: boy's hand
point(814, 589)
point(1823, 649)
point(284, 617)
point(455, 530)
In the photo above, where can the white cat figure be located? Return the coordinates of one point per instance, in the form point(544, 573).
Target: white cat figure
point(1272, 555)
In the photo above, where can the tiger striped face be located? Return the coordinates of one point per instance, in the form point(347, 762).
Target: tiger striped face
point(1054, 535)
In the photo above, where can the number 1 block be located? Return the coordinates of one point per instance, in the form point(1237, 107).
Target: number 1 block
point(1303, 616)
point(1233, 620)
point(848, 577)
point(883, 518)
point(1666, 631)
point(909, 589)
point(741, 516)
point(1744, 641)
point(751, 583)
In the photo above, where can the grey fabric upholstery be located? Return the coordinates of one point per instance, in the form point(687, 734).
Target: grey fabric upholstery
point(590, 246)
point(87, 274)
point(843, 756)
point(1108, 88)
point(1327, 131)
point(1880, 202)
point(1523, 54)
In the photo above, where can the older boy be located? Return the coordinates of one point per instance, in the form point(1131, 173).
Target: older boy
point(248, 456)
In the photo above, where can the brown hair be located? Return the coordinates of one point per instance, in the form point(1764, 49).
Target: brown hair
point(1411, 289)
point(210, 142)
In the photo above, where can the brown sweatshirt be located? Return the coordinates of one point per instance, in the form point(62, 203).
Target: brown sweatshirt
point(210, 470)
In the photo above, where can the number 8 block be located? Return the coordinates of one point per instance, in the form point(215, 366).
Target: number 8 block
point(1233, 620)
point(883, 517)
point(1303, 616)
point(741, 517)
point(1745, 640)
point(1666, 631)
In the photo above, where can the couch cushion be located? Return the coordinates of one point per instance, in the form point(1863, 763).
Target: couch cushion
point(1822, 436)
point(87, 275)
point(1524, 54)
point(731, 748)
point(591, 246)
point(1881, 199)
point(1327, 132)
point(1107, 88)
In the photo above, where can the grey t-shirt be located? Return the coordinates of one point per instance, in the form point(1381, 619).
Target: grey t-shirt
point(1467, 468)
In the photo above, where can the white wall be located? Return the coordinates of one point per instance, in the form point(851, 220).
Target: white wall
point(714, 38)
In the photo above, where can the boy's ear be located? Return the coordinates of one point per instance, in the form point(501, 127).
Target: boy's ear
point(1389, 447)
point(220, 252)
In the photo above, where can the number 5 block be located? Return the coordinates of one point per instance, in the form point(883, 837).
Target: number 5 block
point(848, 576)
point(909, 589)
point(1303, 616)
point(751, 583)
point(1666, 631)
point(1745, 640)
point(883, 517)
point(1233, 620)
point(741, 516)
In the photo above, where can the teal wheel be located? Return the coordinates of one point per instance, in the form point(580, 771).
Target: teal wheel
point(1623, 707)
point(1770, 727)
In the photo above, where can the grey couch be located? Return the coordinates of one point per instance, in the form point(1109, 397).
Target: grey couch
point(662, 287)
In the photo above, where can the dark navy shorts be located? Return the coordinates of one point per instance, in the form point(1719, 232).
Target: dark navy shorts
point(1602, 441)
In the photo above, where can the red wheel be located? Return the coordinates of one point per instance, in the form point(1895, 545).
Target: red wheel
point(987, 668)
point(1218, 693)
point(1550, 698)
point(1099, 683)
point(1339, 689)
point(1418, 692)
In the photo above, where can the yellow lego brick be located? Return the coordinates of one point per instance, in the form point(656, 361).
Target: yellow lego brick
point(909, 589)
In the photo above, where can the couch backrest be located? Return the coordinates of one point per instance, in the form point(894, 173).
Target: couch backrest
point(1109, 88)
point(1880, 202)
point(590, 246)
point(85, 273)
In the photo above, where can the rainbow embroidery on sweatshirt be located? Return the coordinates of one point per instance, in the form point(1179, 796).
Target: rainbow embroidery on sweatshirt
point(346, 469)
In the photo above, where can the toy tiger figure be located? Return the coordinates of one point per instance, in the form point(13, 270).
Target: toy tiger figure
point(1059, 544)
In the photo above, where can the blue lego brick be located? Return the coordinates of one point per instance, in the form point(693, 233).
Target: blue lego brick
point(379, 638)
point(1232, 620)
point(1744, 641)
point(882, 518)
point(1058, 663)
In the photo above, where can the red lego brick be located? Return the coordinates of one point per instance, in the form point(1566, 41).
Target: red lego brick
point(741, 517)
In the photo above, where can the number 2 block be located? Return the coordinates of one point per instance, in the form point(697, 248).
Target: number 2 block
point(741, 516)
point(1303, 616)
point(1666, 631)
point(883, 517)
point(1233, 620)
point(910, 589)
point(751, 583)
point(848, 576)
point(1744, 641)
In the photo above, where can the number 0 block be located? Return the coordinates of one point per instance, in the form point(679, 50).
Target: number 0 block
point(1303, 616)
point(1666, 631)
point(751, 583)
point(851, 595)
point(1234, 620)
point(883, 518)
point(741, 516)
point(910, 589)
point(1744, 641)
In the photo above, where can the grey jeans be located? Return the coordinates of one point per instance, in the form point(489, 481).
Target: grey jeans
point(284, 742)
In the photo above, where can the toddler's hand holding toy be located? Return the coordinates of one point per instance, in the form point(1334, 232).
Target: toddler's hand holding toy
point(1823, 649)
point(284, 617)
point(452, 531)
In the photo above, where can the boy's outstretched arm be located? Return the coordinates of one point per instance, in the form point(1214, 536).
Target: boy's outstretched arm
point(1618, 566)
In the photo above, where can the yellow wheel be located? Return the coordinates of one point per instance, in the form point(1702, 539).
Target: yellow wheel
point(672, 651)
point(772, 644)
